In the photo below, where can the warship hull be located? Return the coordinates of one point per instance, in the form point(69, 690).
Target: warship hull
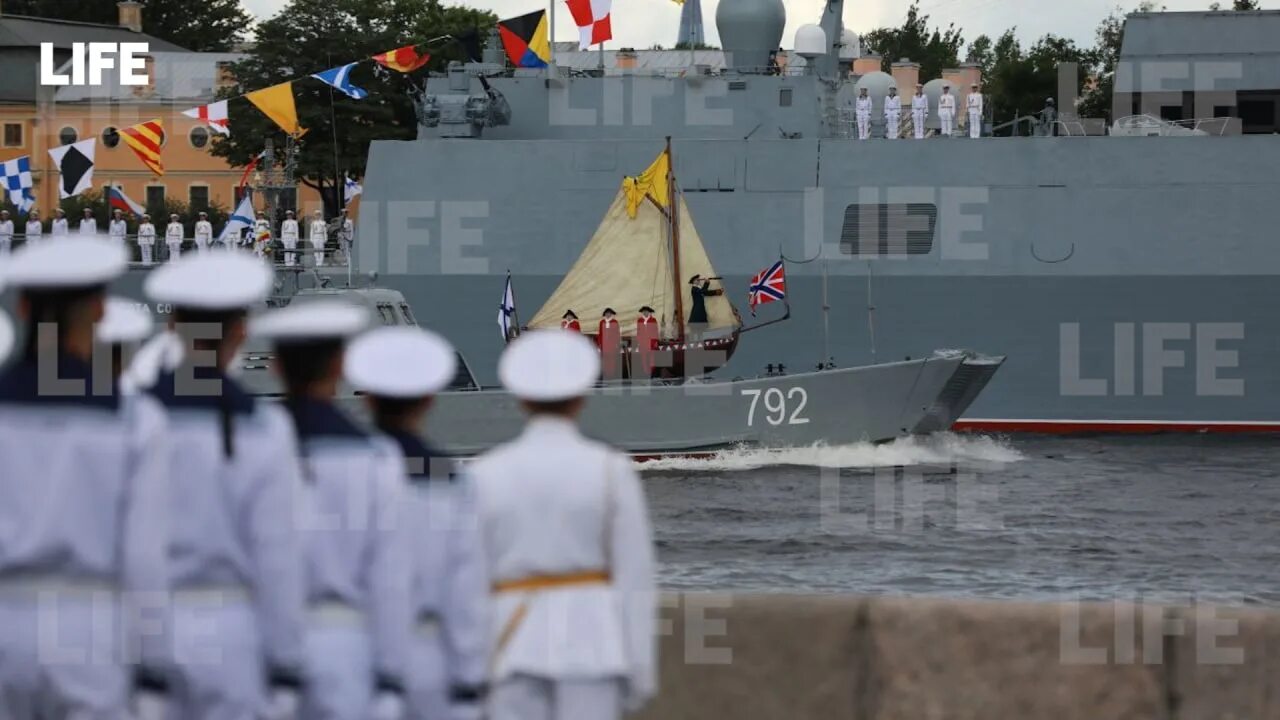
point(1131, 280)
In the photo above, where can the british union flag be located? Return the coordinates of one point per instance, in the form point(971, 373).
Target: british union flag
point(768, 286)
point(15, 177)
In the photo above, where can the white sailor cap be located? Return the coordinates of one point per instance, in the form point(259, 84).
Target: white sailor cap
point(6, 335)
point(125, 321)
point(549, 365)
point(211, 281)
point(311, 320)
point(400, 362)
point(65, 263)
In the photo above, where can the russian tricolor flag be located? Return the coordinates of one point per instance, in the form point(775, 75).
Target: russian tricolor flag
point(117, 200)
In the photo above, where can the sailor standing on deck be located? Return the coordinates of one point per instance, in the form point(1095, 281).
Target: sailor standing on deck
point(261, 236)
point(58, 228)
point(354, 543)
point(34, 228)
point(289, 237)
point(947, 111)
point(919, 111)
point(862, 110)
point(88, 225)
point(974, 104)
point(892, 114)
point(399, 369)
point(173, 234)
point(86, 507)
point(146, 238)
point(568, 545)
point(237, 574)
point(203, 233)
point(6, 234)
point(318, 235)
point(118, 229)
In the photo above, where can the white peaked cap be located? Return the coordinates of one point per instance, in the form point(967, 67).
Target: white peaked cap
point(6, 336)
point(549, 365)
point(313, 320)
point(124, 321)
point(211, 281)
point(400, 362)
point(65, 262)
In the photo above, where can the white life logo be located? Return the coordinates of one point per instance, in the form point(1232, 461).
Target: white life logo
point(776, 403)
point(97, 57)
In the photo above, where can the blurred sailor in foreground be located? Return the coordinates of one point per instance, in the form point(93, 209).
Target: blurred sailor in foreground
point(892, 114)
point(124, 325)
point(568, 545)
point(238, 612)
point(85, 506)
point(919, 111)
point(358, 584)
point(399, 369)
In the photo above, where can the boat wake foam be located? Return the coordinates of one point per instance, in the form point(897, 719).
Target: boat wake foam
point(937, 449)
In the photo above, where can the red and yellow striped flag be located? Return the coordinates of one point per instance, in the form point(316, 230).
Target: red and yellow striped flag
point(145, 139)
point(405, 59)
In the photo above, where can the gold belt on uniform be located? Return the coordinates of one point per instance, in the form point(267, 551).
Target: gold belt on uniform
point(553, 581)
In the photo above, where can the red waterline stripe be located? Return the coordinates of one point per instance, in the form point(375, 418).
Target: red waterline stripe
point(1135, 427)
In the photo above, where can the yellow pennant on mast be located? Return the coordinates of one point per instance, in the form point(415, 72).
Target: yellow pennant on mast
point(276, 102)
point(651, 183)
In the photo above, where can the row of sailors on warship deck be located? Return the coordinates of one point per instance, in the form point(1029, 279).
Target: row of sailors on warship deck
point(255, 237)
point(919, 112)
point(199, 553)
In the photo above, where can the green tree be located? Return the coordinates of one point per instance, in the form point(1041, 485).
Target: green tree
point(203, 25)
point(309, 36)
point(935, 49)
point(1019, 81)
point(1106, 57)
point(982, 54)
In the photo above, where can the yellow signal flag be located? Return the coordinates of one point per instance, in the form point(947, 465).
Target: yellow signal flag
point(145, 140)
point(652, 183)
point(276, 102)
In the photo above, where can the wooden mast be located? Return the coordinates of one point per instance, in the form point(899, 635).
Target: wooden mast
point(675, 242)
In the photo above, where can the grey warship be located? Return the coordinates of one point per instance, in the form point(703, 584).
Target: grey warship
point(1130, 276)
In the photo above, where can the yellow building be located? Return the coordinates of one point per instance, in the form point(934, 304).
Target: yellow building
point(35, 118)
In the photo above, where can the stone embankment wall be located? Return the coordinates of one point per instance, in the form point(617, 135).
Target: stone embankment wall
point(787, 657)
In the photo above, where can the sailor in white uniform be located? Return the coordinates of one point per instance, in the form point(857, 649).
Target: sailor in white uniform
point(203, 233)
point(892, 114)
point(354, 542)
point(88, 225)
point(58, 228)
point(919, 111)
point(86, 507)
point(974, 103)
point(261, 236)
point(318, 233)
point(862, 110)
point(238, 611)
point(146, 239)
point(173, 234)
point(34, 229)
point(947, 111)
point(568, 545)
point(6, 234)
point(399, 369)
point(289, 238)
point(117, 228)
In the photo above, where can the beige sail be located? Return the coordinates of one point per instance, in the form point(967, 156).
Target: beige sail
point(626, 265)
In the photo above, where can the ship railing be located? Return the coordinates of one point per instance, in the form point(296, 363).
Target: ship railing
point(1152, 126)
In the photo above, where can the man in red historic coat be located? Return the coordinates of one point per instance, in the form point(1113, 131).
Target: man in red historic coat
point(646, 343)
point(610, 340)
point(569, 321)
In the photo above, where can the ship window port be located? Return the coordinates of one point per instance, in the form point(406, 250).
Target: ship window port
point(888, 229)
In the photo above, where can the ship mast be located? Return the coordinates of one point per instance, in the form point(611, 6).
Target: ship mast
point(674, 234)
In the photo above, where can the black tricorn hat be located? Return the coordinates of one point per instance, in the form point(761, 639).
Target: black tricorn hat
point(608, 311)
point(646, 308)
point(569, 314)
point(694, 279)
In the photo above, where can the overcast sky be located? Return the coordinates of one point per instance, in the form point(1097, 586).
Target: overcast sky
point(641, 23)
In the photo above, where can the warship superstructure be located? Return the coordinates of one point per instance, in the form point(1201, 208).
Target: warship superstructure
point(1130, 277)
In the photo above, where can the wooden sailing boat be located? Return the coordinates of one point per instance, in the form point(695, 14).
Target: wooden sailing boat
point(643, 253)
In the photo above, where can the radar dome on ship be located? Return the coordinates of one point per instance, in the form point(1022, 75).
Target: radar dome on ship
point(811, 41)
point(750, 30)
point(877, 84)
point(850, 46)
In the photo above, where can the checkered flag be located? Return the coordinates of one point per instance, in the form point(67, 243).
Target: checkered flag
point(15, 177)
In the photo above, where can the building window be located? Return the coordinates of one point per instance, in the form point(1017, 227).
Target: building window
point(155, 200)
point(198, 197)
point(67, 135)
point(13, 134)
point(873, 229)
point(199, 137)
point(110, 136)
